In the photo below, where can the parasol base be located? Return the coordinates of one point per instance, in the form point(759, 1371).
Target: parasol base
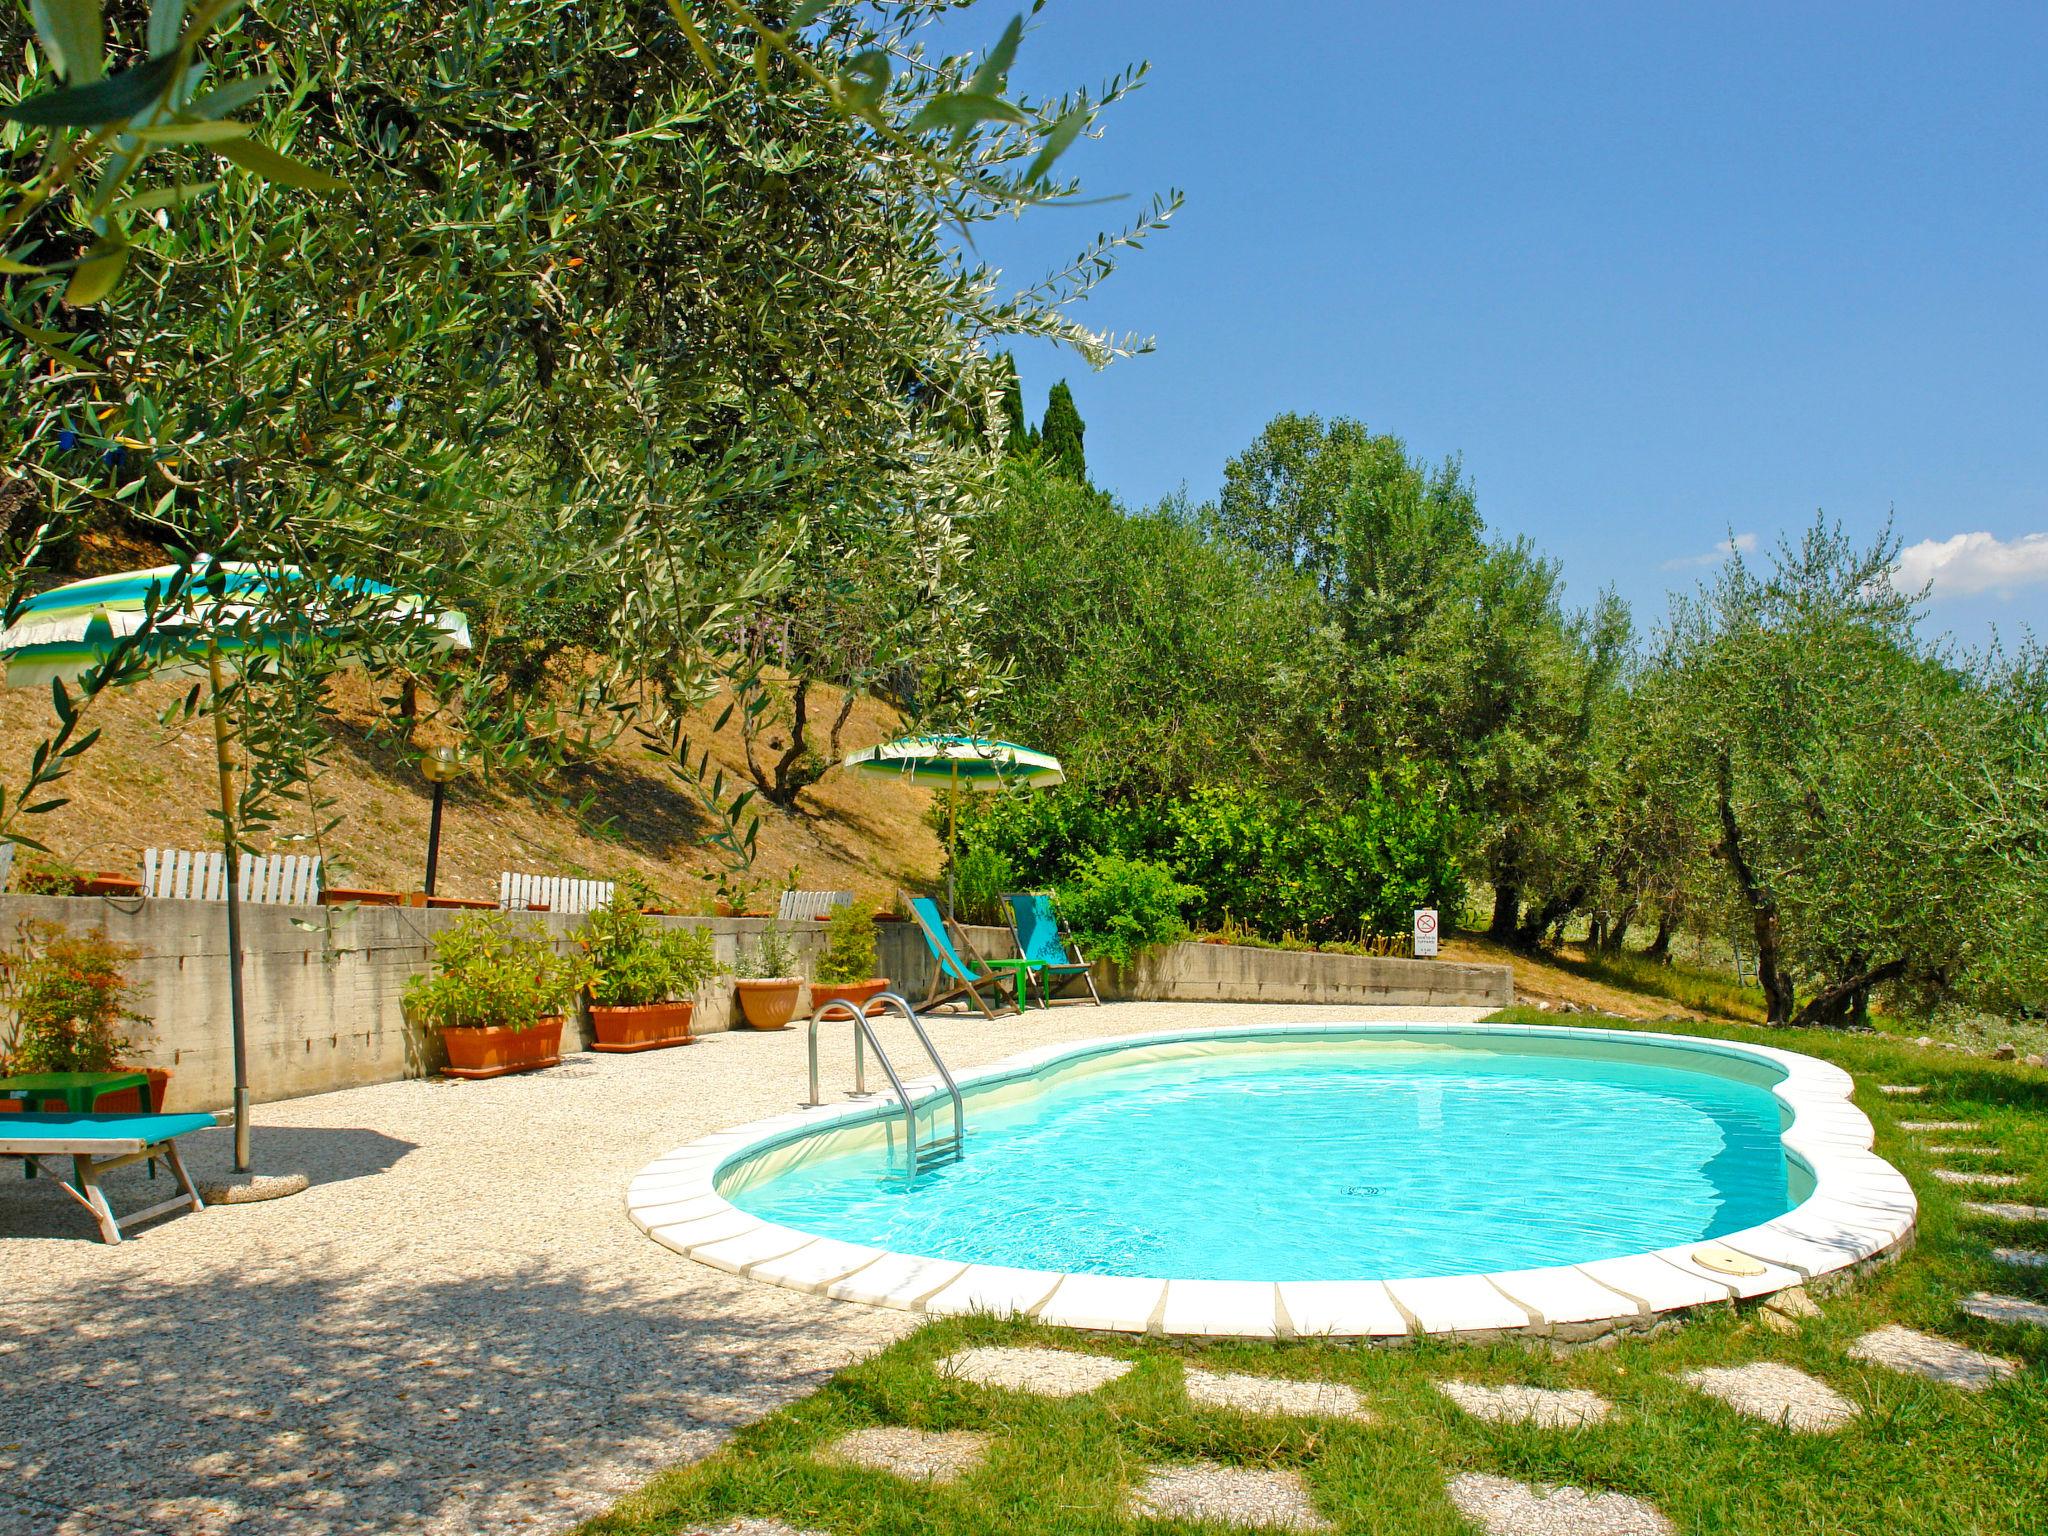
point(246, 1188)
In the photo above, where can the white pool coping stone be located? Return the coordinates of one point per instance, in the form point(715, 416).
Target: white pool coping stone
point(1861, 1210)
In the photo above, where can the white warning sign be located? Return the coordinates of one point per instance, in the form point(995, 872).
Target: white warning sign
point(1425, 932)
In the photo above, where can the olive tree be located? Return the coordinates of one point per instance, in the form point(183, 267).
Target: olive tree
point(571, 313)
point(1839, 760)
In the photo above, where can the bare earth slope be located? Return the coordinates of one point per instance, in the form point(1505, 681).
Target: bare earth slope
point(145, 786)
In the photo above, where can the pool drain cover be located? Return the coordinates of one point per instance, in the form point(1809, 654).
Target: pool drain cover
point(1725, 1261)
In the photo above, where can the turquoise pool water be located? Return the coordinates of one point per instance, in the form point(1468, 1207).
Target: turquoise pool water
point(1356, 1161)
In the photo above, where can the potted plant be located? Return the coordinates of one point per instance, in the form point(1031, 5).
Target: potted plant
point(496, 994)
point(731, 894)
point(72, 1004)
point(846, 973)
point(643, 977)
point(768, 984)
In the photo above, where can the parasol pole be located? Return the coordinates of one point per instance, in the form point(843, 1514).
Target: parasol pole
point(225, 761)
point(952, 833)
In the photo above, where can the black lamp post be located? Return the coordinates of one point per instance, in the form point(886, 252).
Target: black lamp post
point(439, 767)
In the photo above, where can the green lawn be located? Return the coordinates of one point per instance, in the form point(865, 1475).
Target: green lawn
point(1922, 1458)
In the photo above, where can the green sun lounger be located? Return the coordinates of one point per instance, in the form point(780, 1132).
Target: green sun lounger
point(1056, 960)
point(952, 977)
point(98, 1144)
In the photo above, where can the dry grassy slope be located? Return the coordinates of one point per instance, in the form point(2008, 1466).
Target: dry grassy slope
point(1537, 981)
point(143, 785)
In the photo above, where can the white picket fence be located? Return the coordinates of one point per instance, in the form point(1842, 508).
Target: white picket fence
point(270, 879)
point(558, 893)
point(797, 905)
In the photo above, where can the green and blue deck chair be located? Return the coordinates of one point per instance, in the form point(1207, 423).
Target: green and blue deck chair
point(952, 977)
point(1056, 960)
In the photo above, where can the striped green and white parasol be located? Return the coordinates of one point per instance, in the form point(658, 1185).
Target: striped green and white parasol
point(229, 607)
point(206, 620)
point(957, 765)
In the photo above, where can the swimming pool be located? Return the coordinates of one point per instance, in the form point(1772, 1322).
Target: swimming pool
point(1364, 1179)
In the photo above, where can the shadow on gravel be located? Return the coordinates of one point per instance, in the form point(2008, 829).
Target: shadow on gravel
point(329, 1397)
point(39, 1207)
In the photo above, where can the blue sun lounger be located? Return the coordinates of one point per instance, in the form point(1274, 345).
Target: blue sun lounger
point(98, 1144)
point(952, 977)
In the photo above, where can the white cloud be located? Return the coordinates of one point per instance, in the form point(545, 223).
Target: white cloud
point(1973, 562)
point(1739, 544)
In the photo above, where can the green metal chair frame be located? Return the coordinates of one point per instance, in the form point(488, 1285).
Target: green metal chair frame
point(1045, 940)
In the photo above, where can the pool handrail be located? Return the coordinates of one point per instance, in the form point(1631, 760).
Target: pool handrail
point(956, 1144)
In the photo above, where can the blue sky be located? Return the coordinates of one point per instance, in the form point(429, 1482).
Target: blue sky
point(1654, 273)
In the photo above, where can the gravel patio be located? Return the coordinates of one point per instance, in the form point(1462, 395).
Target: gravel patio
point(455, 1329)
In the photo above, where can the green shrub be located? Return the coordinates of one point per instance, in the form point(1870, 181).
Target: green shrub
point(1264, 862)
point(849, 945)
point(770, 958)
point(981, 876)
point(635, 960)
point(490, 973)
point(71, 1000)
point(1117, 906)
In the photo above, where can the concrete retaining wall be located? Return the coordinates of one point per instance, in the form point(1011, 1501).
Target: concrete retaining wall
point(324, 985)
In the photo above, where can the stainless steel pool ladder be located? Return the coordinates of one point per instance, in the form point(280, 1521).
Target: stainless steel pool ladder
point(934, 1153)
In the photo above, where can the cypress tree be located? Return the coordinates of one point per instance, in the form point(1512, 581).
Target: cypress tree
point(1020, 439)
point(1060, 437)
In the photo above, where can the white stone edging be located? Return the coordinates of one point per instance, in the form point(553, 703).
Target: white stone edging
point(1861, 1210)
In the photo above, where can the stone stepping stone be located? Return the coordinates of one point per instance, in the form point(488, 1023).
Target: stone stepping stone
point(2007, 1309)
point(1902, 1090)
point(1938, 1125)
point(1936, 1358)
point(1043, 1372)
point(2021, 1258)
point(922, 1455)
point(2006, 1211)
point(1207, 1490)
point(1500, 1506)
point(1276, 1396)
point(1964, 1176)
point(1544, 1407)
point(1962, 1151)
point(1777, 1394)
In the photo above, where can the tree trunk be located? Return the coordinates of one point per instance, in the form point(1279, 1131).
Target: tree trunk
point(1615, 940)
point(1763, 909)
point(1660, 946)
point(1554, 913)
point(1507, 905)
point(1848, 1000)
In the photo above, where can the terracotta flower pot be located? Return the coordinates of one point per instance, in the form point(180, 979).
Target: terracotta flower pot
point(109, 883)
point(645, 1027)
point(768, 1003)
point(496, 1050)
point(129, 1100)
point(858, 993)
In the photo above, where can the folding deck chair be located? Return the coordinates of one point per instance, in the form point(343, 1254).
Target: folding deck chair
point(952, 977)
point(1056, 960)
